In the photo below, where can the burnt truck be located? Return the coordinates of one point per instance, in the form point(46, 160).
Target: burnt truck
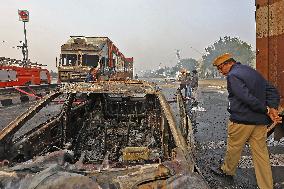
point(108, 134)
point(79, 54)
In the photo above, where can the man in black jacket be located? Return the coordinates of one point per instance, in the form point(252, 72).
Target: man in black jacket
point(253, 104)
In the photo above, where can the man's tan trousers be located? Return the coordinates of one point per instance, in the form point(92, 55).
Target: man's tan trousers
point(238, 135)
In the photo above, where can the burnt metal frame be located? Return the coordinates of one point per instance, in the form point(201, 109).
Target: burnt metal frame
point(181, 152)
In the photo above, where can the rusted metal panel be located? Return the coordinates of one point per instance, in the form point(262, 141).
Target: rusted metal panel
point(91, 45)
point(135, 153)
point(265, 2)
point(270, 41)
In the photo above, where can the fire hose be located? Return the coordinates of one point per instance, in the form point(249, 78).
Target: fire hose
point(25, 92)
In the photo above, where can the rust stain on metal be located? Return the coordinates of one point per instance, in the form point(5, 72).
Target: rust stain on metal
point(270, 42)
point(135, 153)
point(270, 20)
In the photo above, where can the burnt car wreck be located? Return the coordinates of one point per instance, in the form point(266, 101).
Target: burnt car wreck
point(100, 135)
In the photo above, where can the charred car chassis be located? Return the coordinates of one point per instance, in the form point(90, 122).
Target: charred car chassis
point(100, 135)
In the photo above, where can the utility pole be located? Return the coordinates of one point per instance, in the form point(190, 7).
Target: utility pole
point(178, 55)
point(24, 17)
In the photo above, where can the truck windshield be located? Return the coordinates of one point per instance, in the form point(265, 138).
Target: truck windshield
point(68, 59)
point(90, 60)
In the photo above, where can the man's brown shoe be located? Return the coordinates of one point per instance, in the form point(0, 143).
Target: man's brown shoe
point(219, 172)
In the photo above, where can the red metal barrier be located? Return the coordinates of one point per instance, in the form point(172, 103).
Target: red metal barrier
point(20, 76)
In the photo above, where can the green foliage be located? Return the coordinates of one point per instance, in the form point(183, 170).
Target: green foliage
point(241, 51)
point(188, 63)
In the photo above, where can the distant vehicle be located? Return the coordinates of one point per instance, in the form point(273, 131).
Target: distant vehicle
point(170, 79)
point(22, 72)
point(15, 73)
point(80, 54)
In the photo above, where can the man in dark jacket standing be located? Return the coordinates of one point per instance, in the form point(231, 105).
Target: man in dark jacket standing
point(185, 82)
point(90, 76)
point(194, 84)
point(253, 104)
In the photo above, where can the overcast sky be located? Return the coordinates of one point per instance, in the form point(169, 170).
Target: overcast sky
point(148, 30)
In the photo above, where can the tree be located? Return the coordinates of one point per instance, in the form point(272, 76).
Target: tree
point(187, 63)
point(240, 50)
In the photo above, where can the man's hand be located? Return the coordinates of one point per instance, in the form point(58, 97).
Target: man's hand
point(274, 115)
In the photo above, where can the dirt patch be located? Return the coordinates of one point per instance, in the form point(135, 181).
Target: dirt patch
point(213, 82)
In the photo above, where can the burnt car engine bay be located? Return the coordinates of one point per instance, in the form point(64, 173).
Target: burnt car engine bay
point(99, 126)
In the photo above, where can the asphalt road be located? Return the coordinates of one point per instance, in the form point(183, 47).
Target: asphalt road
point(210, 134)
point(10, 113)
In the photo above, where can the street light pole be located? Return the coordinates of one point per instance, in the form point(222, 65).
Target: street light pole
point(25, 46)
point(24, 17)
